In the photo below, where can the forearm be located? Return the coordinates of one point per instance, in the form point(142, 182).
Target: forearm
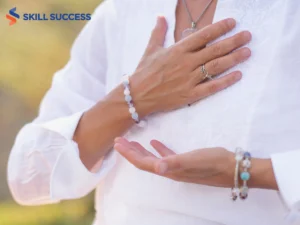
point(100, 125)
point(262, 174)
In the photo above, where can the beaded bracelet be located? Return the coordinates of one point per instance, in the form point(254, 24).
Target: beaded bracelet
point(238, 158)
point(245, 175)
point(128, 99)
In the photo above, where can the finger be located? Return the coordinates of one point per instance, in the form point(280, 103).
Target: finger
point(137, 146)
point(202, 37)
point(124, 141)
point(136, 158)
point(161, 148)
point(223, 47)
point(206, 89)
point(129, 145)
point(140, 148)
point(220, 65)
point(158, 35)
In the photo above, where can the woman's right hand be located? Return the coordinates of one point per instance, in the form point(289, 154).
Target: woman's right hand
point(170, 78)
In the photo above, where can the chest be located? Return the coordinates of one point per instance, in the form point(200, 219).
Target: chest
point(132, 33)
point(191, 13)
point(236, 116)
point(260, 114)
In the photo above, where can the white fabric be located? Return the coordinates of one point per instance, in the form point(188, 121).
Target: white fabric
point(261, 114)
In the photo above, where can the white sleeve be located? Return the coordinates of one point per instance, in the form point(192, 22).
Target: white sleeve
point(286, 168)
point(44, 164)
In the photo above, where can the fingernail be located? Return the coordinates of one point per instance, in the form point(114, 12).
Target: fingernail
point(247, 35)
point(238, 75)
point(158, 20)
point(246, 52)
point(117, 139)
point(117, 146)
point(121, 141)
point(231, 22)
point(162, 168)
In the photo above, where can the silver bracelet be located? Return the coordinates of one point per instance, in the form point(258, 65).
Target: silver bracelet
point(238, 158)
point(128, 99)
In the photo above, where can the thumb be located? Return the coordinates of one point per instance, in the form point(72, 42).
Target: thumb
point(158, 35)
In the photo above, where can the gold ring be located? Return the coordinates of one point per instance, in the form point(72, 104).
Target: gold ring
point(204, 71)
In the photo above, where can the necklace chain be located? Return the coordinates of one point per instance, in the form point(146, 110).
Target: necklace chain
point(194, 22)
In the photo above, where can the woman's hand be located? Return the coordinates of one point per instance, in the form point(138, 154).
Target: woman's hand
point(210, 166)
point(169, 78)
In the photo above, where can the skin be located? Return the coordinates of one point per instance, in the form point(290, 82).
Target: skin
point(165, 79)
point(195, 7)
point(209, 166)
point(168, 79)
point(213, 166)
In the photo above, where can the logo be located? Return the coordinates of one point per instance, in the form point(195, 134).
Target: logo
point(54, 16)
point(12, 16)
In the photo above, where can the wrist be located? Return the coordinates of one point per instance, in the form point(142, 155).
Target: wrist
point(115, 102)
point(231, 169)
point(117, 97)
point(262, 174)
point(140, 99)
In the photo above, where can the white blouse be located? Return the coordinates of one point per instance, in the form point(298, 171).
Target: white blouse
point(260, 114)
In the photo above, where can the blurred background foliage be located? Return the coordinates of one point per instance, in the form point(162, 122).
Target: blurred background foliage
point(31, 52)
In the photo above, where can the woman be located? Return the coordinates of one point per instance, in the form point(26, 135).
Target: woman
point(65, 153)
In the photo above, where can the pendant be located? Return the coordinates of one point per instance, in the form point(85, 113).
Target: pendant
point(188, 32)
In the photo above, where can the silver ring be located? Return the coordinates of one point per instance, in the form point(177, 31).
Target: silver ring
point(204, 71)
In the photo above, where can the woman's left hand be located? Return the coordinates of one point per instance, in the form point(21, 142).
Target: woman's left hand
point(208, 166)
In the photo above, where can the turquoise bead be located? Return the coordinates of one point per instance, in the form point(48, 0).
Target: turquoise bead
point(245, 176)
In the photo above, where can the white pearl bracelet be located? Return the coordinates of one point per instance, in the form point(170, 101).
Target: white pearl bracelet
point(128, 99)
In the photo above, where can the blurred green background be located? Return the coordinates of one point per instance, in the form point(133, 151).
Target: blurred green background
point(30, 53)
